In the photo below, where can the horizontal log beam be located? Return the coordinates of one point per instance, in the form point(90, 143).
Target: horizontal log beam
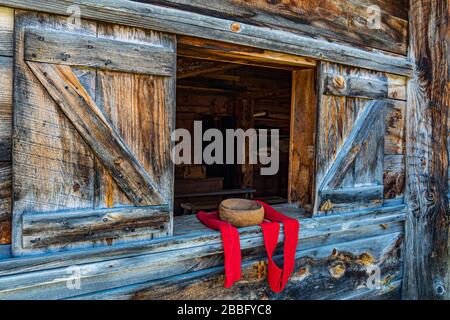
point(187, 23)
point(320, 273)
point(339, 85)
point(88, 51)
point(352, 195)
point(85, 228)
point(313, 233)
point(88, 119)
point(369, 88)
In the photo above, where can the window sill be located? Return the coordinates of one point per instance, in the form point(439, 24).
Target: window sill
point(193, 235)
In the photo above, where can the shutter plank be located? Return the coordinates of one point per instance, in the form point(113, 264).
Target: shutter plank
point(352, 145)
point(89, 51)
point(65, 88)
point(87, 228)
point(52, 164)
point(141, 108)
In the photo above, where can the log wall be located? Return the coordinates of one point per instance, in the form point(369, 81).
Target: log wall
point(6, 89)
point(342, 21)
point(336, 255)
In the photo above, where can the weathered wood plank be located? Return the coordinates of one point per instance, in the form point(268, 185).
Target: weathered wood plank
point(5, 202)
point(103, 275)
point(396, 87)
point(320, 273)
point(6, 31)
point(394, 176)
point(6, 107)
point(427, 257)
point(314, 232)
point(228, 52)
point(73, 49)
point(350, 139)
point(389, 86)
point(5, 251)
point(340, 85)
point(186, 23)
point(353, 145)
point(141, 107)
point(244, 120)
point(352, 197)
point(394, 140)
point(53, 166)
point(187, 67)
point(302, 135)
point(104, 140)
point(341, 20)
point(88, 228)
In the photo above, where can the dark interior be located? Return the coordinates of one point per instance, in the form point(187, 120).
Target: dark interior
point(229, 96)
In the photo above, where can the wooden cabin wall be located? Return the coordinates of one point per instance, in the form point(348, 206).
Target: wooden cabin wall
point(339, 21)
point(427, 259)
point(6, 89)
point(334, 254)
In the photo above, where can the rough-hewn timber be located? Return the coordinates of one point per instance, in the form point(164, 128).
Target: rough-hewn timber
point(192, 24)
point(427, 257)
point(45, 277)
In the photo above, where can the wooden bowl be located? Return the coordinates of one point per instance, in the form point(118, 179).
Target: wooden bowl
point(241, 212)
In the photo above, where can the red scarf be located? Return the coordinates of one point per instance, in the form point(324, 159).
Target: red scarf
point(276, 277)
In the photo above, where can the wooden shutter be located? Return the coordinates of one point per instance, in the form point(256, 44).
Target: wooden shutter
point(351, 129)
point(93, 112)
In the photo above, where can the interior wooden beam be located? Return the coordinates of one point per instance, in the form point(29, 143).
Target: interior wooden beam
point(189, 67)
point(220, 51)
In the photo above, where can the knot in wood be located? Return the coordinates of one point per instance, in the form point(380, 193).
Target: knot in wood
point(338, 82)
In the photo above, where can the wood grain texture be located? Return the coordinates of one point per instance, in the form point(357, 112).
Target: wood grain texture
point(187, 23)
point(394, 176)
point(89, 228)
point(302, 135)
point(132, 112)
point(338, 118)
point(329, 272)
point(394, 139)
point(90, 51)
point(187, 67)
point(102, 137)
point(191, 233)
point(354, 144)
point(53, 167)
point(244, 111)
point(6, 31)
point(376, 87)
point(427, 239)
point(335, 20)
point(162, 259)
point(5, 202)
point(6, 107)
point(396, 87)
point(228, 52)
point(142, 108)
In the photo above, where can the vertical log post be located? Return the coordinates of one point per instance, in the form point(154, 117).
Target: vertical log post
point(426, 255)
